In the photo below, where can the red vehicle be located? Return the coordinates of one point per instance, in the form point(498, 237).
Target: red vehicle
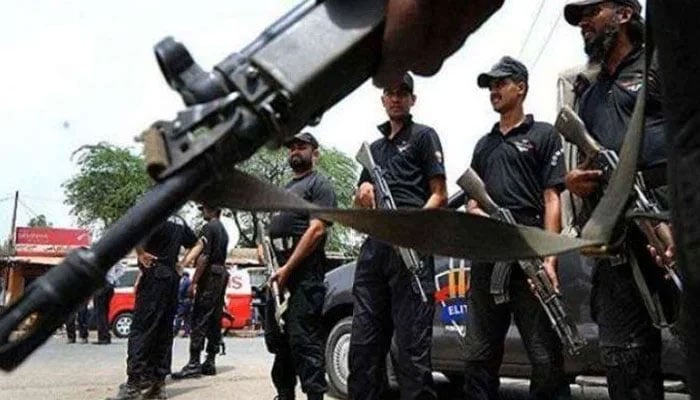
point(238, 301)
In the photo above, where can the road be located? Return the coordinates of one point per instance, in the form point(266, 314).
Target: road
point(90, 372)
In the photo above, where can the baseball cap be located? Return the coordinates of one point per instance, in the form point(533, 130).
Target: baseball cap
point(505, 68)
point(405, 83)
point(573, 12)
point(305, 137)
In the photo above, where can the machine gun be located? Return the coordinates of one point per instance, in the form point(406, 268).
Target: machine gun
point(659, 235)
point(385, 200)
point(281, 299)
point(284, 80)
point(549, 298)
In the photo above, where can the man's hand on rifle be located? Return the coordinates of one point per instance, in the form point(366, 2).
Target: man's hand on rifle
point(146, 259)
point(365, 196)
point(550, 267)
point(582, 181)
point(281, 276)
point(420, 35)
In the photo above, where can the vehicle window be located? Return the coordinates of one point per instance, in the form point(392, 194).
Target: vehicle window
point(129, 278)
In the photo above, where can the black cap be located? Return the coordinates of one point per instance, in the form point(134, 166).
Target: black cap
point(573, 12)
point(305, 137)
point(406, 83)
point(507, 67)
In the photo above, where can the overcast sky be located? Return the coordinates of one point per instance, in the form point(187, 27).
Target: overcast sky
point(79, 72)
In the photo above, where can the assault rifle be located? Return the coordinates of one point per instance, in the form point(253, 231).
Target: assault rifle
point(281, 300)
point(659, 235)
point(385, 200)
point(549, 298)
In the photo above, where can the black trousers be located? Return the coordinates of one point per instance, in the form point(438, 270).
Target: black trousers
point(207, 310)
point(630, 346)
point(299, 349)
point(386, 305)
point(150, 346)
point(101, 301)
point(81, 320)
point(487, 325)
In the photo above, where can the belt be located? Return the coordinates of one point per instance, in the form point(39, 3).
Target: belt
point(655, 176)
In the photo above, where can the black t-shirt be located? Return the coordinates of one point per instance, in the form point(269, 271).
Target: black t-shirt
point(215, 241)
point(606, 108)
point(517, 167)
point(165, 241)
point(409, 160)
point(312, 187)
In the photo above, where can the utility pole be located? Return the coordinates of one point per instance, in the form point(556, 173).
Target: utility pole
point(14, 225)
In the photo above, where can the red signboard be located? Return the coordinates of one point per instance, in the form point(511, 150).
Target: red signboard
point(49, 242)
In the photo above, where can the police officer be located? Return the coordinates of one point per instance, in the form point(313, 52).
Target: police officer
point(521, 165)
point(79, 320)
point(613, 37)
point(184, 306)
point(101, 301)
point(299, 241)
point(208, 288)
point(151, 337)
point(386, 302)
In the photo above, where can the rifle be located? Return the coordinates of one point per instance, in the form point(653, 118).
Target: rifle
point(549, 298)
point(267, 92)
point(281, 300)
point(659, 236)
point(410, 258)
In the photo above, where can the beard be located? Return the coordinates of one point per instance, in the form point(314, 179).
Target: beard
point(598, 47)
point(299, 164)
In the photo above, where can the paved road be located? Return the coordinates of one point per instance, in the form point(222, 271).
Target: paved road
point(90, 372)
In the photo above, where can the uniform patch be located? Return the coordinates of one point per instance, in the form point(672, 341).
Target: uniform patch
point(438, 156)
point(403, 146)
point(523, 145)
point(632, 85)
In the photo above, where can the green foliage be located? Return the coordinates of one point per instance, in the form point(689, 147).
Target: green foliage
point(39, 222)
point(110, 180)
point(272, 167)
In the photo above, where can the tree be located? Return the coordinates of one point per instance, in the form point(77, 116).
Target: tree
point(110, 180)
point(271, 166)
point(39, 222)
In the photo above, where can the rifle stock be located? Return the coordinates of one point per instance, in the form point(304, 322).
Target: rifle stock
point(571, 127)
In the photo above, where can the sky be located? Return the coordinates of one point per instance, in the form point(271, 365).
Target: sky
point(80, 72)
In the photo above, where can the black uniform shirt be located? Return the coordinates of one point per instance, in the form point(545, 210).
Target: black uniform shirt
point(517, 167)
point(606, 108)
point(165, 241)
point(215, 242)
point(409, 160)
point(312, 187)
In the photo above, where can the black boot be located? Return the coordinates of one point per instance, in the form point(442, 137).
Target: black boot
point(209, 366)
point(127, 391)
point(193, 368)
point(156, 391)
point(314, 396)
point(285, 395)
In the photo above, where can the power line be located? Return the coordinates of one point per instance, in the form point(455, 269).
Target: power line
point(549, 38)
point(26, 207)
point(532, 28)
